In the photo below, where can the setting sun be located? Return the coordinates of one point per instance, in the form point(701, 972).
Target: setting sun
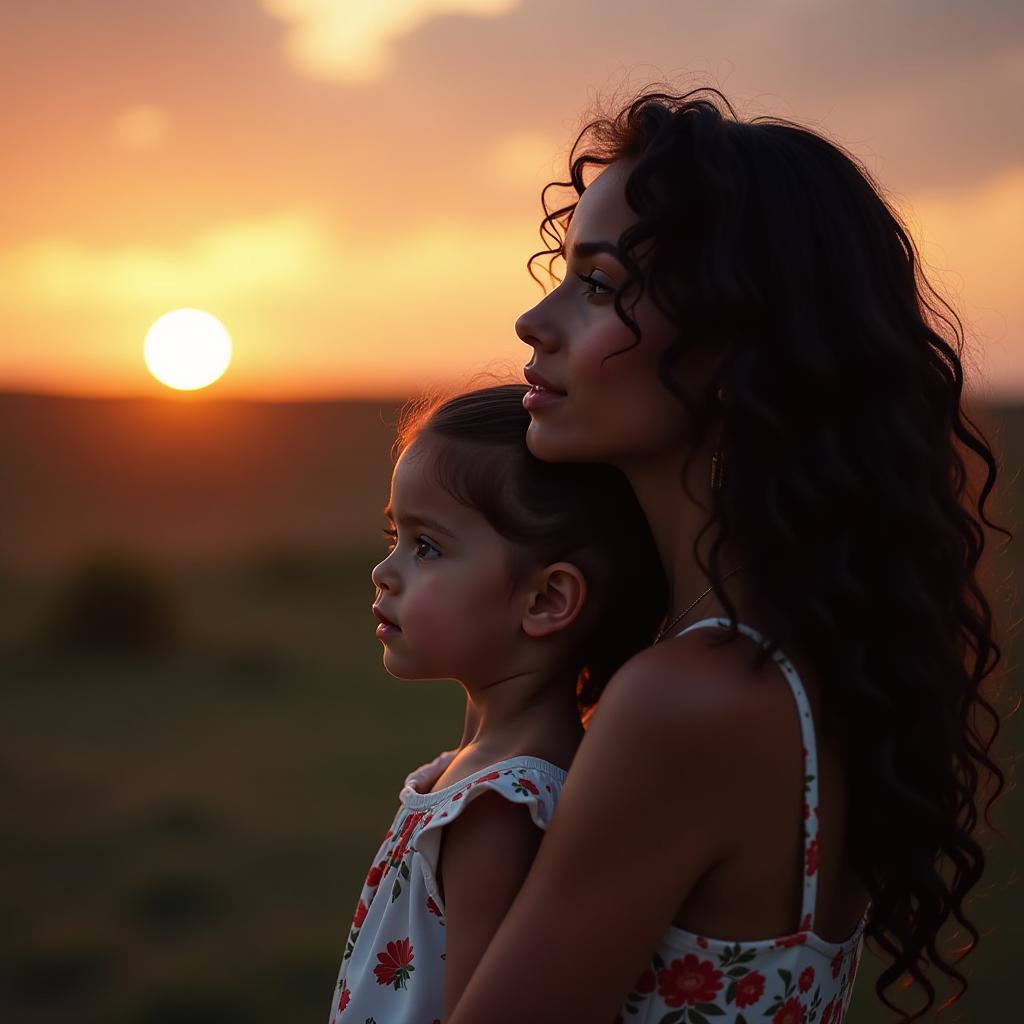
point(187, 349)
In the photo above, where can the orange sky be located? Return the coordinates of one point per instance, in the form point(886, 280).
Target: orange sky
point(353, 188)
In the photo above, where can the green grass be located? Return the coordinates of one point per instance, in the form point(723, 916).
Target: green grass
point(184, 835)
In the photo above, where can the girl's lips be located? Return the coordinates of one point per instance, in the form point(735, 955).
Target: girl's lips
point(387, 629)
point(381, 617)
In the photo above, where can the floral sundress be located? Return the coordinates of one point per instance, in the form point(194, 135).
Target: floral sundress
point(392, 968)
point(789, 979)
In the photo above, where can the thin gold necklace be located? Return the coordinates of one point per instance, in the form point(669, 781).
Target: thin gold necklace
point(664, 629)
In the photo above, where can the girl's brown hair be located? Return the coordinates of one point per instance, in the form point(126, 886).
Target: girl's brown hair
point(583, 513)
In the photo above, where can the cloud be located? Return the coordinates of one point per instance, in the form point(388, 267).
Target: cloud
point(521, 158)
point(347, 40)
point(968, 239)
point(311, 309)
point(241, 258)
point(140, 127)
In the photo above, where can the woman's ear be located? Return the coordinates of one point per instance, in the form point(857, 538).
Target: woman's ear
point(555, 600)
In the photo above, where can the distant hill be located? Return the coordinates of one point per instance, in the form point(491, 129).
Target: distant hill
point(180, 481)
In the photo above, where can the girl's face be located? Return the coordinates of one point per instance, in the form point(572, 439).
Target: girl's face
point(619, 412)
point(443, 582)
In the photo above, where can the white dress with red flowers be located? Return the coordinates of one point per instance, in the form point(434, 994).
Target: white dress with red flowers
point(789, 979)
point(392, 971)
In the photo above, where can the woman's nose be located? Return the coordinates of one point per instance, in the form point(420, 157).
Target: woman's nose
point(534, 328)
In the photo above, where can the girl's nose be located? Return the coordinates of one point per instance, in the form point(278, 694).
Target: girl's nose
point(381, 578)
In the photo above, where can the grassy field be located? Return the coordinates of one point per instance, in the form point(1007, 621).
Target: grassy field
point(185, 829)
point(184, 835)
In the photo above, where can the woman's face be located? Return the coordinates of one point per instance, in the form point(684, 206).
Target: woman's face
point(618, 412)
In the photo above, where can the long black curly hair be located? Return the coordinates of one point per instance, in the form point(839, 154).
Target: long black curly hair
point(845, 490)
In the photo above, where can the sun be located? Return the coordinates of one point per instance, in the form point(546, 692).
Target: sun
point(187, 349)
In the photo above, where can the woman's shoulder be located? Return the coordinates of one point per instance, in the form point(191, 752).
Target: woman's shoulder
point(688, 693)
point(688, 674)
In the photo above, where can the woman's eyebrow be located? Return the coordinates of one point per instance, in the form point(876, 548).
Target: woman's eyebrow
point(583, 249)
point(421, 520)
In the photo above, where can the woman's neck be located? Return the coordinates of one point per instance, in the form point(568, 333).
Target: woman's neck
point(675, 520)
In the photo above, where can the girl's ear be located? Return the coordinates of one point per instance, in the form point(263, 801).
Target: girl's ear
point(557, 598)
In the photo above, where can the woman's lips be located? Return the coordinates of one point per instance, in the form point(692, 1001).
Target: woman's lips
point(538, 398)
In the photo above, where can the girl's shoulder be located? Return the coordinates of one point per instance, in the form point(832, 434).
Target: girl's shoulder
point(520, 779)
point(528, 782)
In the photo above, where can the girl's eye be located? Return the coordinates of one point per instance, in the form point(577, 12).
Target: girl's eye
point(392, 535)
point(593, 285)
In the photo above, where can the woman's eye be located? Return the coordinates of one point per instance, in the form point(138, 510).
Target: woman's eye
point(594, 287)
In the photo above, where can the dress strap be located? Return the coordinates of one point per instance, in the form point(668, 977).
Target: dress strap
point(810, 807)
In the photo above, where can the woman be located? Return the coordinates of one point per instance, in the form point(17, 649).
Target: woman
point(744, 330)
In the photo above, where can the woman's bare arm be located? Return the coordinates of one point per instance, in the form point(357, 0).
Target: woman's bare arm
point(641, 817)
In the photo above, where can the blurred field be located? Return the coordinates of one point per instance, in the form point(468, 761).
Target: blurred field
point(200, 749)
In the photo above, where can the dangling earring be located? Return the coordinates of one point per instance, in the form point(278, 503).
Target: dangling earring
point(718, 458)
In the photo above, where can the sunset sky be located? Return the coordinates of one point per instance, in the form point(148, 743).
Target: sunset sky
point(352, 187)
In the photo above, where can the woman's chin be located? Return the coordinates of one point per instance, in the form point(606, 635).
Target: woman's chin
point(549, 444)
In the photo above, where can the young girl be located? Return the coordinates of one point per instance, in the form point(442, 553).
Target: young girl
point(506, 574)
point(797, 763)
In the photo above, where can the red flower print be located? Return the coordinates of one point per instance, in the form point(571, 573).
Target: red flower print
point(357, 921)
point(458, 796)
point(489, 777)
point(806, 978)
point(395, 965)
point(792, 940)
point(346, 995)
point(689, 981)
point(375, 875)
point(837, 964)
point(826, 1014)
point(812, 857)
point(645, 983)
point(807, 811)
point(702, 942)
point(408, 827)
point(749, 989)
point(527, 784)
point(432, 906)
point(791, 1012)
point(805, 923)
